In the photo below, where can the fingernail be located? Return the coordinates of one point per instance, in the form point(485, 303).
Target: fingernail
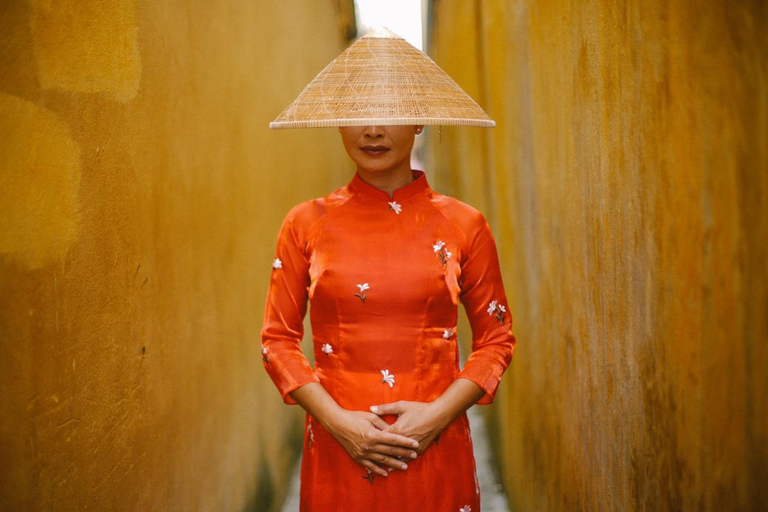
point(404, 466)
point(413, 455)
point(375, 409)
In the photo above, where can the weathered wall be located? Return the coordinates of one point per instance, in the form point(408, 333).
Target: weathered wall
point(140, 196)
point(627, 183)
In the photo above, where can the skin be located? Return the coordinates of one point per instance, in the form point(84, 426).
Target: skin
point(382, 155)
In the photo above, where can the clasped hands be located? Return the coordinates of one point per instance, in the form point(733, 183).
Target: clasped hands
point(380, 447)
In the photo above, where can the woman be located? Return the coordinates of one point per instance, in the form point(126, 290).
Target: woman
point(383, 263)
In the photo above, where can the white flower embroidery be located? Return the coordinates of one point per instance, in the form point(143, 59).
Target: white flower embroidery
point(264, 354)
point(465, 508)
point(387, 378)
point(441, 252)
point(447, 333)
point(277, 264)
point(495, 308)
point(362, 287)
point(396, 207)
point(328, 349)
point(311, 435)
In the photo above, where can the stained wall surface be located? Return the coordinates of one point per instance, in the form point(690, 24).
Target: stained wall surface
point(140, 197)
point(626, 182)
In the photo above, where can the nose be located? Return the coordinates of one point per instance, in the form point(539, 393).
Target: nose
point(373, 132)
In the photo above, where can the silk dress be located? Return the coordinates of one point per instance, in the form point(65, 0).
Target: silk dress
point(383, 278)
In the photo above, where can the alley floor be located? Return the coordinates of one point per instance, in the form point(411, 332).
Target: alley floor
point(491, 494)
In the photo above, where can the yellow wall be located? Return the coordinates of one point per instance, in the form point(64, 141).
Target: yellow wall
point(626, 182)
point(140, 196)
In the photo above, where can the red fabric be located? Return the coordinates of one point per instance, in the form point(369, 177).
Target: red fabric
point(404, 328)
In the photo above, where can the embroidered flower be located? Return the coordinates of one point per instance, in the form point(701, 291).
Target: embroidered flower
point(396, 207)
point(498, 309)
point(328, 349)
point(277, 264)
point(310, 435)
point(369, 476)
point(465, 508)
point(442, 252)
point(387, 378)
point(264, 355)
point(362, 287)
point(447, 333)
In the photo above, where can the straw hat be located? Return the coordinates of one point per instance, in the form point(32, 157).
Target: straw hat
point(382, 80)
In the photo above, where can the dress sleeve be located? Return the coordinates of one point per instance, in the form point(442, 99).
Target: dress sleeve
point(482, 293)
point(286, 306)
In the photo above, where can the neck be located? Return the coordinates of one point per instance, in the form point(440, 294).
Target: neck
point(388, 181)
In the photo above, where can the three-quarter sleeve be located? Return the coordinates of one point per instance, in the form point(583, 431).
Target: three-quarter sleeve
point(484, 299)
point(286, 306)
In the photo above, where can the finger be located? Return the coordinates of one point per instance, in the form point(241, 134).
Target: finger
point(391, 408)
point(373, 468)
point(395, 440)
point(378, 422)
point(393, 451)
point(384, 460)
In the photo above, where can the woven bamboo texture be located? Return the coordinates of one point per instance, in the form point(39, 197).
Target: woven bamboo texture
point(381, 79)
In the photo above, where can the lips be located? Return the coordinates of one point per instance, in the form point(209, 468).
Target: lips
point(374, 150)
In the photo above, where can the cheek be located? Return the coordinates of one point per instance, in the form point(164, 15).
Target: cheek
point(406, 140)
point(406, 146)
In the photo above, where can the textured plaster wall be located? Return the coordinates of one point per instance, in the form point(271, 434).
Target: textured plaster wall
point(140, 196)
point(626, 182)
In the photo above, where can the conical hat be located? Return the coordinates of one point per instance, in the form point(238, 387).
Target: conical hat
point(382, 80)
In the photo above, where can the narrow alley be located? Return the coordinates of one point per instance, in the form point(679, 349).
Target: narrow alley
point(142, 194)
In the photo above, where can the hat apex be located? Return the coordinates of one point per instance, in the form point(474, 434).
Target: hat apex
point(381, 32)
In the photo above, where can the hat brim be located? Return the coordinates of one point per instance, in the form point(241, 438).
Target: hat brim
point(384, 121)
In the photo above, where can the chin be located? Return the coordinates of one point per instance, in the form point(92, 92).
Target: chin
point(376, 166)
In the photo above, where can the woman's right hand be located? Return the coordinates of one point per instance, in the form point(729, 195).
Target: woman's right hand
point(362, 435)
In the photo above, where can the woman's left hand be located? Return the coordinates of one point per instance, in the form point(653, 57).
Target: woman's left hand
point(421, 421)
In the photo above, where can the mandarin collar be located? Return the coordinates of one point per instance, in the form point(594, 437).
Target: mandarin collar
point(419, 184)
